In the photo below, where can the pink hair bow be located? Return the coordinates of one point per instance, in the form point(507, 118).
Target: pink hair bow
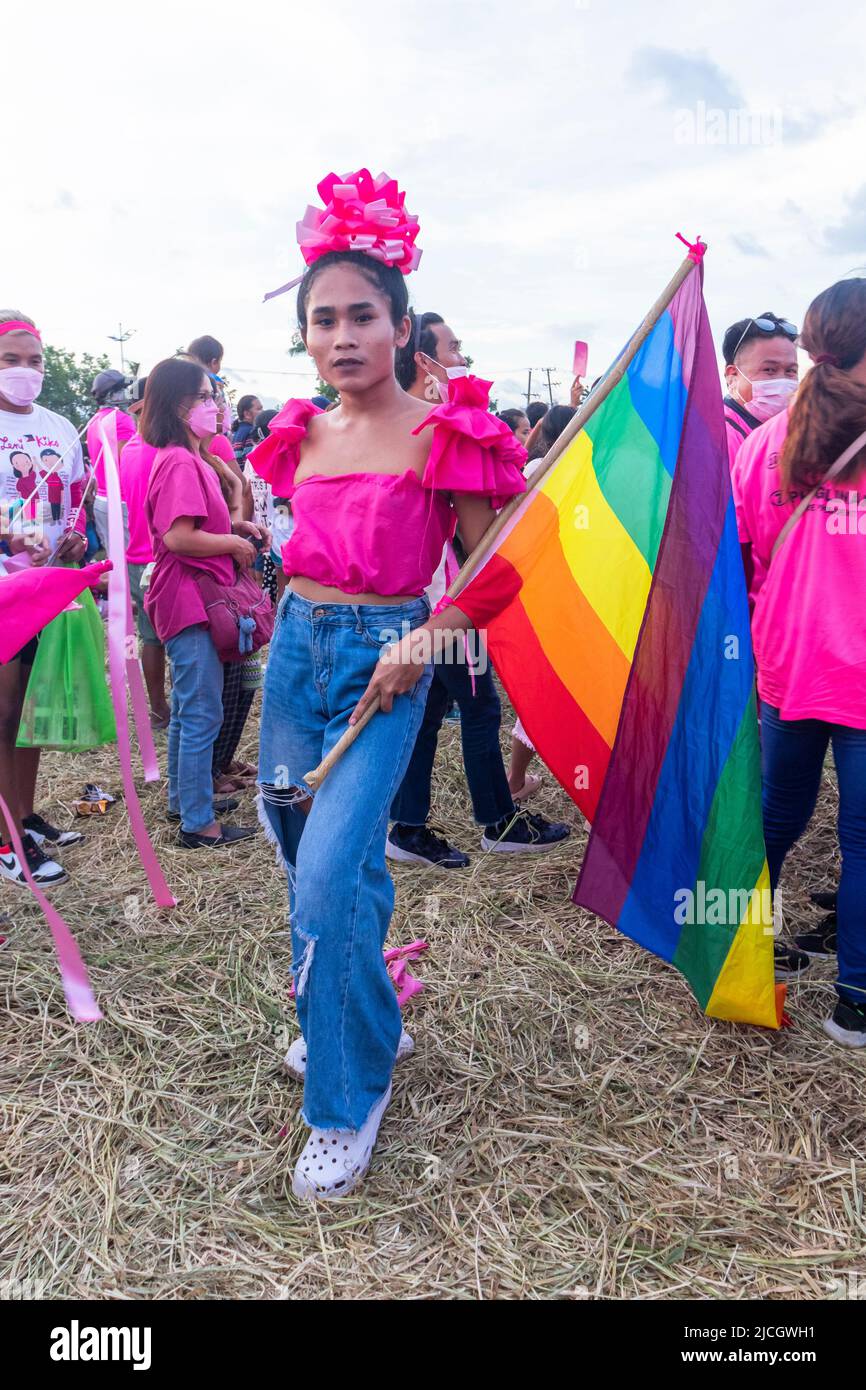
point(360, 214)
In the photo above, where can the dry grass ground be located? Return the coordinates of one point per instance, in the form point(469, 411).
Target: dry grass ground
point(569, 1125)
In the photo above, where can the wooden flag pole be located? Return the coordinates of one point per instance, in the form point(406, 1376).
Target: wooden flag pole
point(315, 778)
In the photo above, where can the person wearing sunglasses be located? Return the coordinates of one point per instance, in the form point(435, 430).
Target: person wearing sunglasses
point(761, 374)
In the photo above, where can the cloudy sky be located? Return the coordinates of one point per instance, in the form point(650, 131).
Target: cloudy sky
point(157, 157)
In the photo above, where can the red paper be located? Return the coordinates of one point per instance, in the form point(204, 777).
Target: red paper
point(580, 355)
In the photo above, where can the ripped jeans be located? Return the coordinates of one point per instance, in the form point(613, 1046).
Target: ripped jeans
point(340, 892)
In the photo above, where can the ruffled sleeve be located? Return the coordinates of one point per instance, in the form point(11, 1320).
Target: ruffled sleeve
point(276, 458)
point(472, 450)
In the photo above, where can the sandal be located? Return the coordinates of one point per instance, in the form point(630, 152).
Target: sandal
point(333, 1161)
point(236, 769)
point(528, 790)
point(295, 1060)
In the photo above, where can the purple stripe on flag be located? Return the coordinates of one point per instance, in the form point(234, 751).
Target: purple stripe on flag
point(693, 528)
point(683, 311)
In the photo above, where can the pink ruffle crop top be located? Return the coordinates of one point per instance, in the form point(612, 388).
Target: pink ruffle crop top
point(384, 533)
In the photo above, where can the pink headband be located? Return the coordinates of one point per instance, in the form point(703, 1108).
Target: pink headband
point(360, 214)
point(18, 326)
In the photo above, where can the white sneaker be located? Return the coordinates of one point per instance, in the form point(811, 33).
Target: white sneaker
point(45, 871)
point(334, 1161)
point(295, 1060)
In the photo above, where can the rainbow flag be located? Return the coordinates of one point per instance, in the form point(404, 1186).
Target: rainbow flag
point(625, 649)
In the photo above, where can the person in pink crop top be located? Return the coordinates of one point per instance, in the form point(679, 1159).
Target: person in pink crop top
point(808, 631)
point(376, 488)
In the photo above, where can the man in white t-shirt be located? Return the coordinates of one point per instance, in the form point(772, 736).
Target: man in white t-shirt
point(41, 489)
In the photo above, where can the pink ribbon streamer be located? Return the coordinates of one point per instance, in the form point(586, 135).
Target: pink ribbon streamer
point(73, 971)
point(119, 622)
point(135, 680)
point(397, 964)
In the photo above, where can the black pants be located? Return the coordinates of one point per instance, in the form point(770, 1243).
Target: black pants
point(482, 758)
point(237, 703)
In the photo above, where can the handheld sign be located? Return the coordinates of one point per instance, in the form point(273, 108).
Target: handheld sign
point(581, 353)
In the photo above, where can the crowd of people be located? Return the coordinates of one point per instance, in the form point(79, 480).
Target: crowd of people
point(352, 514)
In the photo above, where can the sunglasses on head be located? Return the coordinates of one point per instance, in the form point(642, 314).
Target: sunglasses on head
point(776, 326)
point(769, 326)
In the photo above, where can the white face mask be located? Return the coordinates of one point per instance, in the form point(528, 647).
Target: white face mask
point(769, 397)
point(20, 385)
point(451, 373)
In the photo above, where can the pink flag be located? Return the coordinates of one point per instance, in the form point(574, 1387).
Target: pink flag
point(33, 597)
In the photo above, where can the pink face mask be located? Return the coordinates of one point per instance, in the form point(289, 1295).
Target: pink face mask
point(202, 419)
point(20, 385)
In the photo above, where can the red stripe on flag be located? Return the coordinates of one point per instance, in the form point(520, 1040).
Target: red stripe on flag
point(564, 736)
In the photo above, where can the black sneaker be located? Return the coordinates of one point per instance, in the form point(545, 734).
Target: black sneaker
point(847, 1024)
point(40, 831)
point(788, 962)
point(524, 833)
point(417, 844)
point(44, 870)
point(229, 835)
point(821, 941)
point(825, 900)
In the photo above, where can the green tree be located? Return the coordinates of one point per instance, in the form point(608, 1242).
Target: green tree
point(68, 379)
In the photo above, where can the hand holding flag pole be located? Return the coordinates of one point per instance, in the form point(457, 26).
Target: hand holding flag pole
point(316, 777)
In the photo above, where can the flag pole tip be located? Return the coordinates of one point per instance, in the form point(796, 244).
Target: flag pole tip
point(697, 248)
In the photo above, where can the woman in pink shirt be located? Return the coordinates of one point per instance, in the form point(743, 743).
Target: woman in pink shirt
point(194, 514)
point(808, 627)
point(376, 487)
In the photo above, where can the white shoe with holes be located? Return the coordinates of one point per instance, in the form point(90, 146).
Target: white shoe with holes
point(334, 1161)
point(295, 1060)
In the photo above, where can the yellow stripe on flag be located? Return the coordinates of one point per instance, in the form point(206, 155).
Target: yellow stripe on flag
point(745, 991)
point(602, 557)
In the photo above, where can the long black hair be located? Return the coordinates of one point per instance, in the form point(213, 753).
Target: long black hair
point(390, 281)
point(162, 426)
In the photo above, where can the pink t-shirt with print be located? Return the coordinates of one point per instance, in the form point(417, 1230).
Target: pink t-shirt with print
point(181, 484)
point(808, 629)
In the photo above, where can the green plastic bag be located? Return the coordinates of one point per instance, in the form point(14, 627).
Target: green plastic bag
point(68, 704)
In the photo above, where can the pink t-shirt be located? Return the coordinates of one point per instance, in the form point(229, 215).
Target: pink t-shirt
point(383, 533)
point(136, 462)
point(125, 427)
point(181, 484)
point(808, 630)
point(220, 446)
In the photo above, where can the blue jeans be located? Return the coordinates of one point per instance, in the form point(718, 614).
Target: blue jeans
point(196, 716)
point(792, 754)
point(479, 735)
point(340, 892)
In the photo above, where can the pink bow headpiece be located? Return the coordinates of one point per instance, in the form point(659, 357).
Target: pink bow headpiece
point(360, 214)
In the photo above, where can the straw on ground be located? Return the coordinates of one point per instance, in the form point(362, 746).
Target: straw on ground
point(569, 1124)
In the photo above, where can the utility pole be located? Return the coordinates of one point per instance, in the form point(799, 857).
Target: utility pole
point(549, 387)
point(120, 337)
point(529, 389)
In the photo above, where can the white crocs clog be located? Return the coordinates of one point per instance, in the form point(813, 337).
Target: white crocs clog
point(334, 1161)
point(295, 1060)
